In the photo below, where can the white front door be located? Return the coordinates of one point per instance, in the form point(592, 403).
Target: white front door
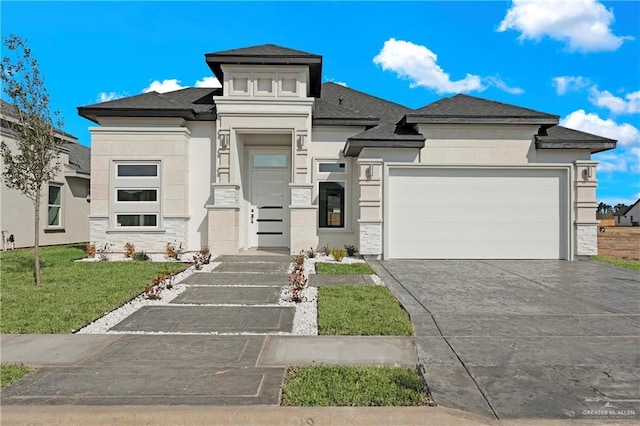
point(269, 219)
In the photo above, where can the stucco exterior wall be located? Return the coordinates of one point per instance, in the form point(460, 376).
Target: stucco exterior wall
point(17, 214)
point(202, 172)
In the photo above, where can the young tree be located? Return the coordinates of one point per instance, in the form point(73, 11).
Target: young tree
point(35, 161)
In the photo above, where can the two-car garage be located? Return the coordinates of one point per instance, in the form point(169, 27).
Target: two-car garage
point(476, 212)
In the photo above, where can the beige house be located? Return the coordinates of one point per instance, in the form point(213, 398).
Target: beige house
point(275, 158)
point(64, 212)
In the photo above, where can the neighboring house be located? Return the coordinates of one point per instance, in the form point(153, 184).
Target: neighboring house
point(629, 216)
point(275, 158)
point(64, 211)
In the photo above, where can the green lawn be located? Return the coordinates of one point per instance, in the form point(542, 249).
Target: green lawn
point(11, 373)
point(634, 265)
point(344, 268)
point(353, 386)
point(359, 310)
point(72, 293)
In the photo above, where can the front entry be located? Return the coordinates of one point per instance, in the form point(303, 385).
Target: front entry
point(268, 214)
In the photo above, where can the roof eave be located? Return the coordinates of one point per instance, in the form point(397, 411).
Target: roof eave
point(93, 113)
point(354, 147)
point(594, 147)
point(419, 119)
point(367, 122)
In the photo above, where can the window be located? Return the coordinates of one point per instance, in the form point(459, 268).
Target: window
point(331, 196)
point(331, 167)
point(137, 195)
point(137, 220)
point(270, 160)
point(54, 210)
point(137, 170)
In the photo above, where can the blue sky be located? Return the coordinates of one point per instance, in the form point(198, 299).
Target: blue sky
point(578, 59)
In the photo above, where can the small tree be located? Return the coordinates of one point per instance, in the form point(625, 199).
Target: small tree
point(33, 125)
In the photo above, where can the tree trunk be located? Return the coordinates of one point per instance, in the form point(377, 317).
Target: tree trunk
point(36, 241)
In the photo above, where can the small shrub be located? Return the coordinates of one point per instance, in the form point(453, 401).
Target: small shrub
point(298, 279)
point(129, 250)
point(173, 252)
point(161, 282)
point(325, 250)
point(337, 254)
point(104, 251)
point(90, 249)
point(203, 257)
point(351, 250)
point(311, 253)
point(140, 256)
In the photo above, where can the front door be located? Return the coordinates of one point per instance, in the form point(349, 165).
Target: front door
point(268, 221)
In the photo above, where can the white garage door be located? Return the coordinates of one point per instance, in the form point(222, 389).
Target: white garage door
point(475, 213)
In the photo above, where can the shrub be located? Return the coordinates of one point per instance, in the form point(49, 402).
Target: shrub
point(337, 254)
point(173, 252)
point(298, 279)
point(90, 249)
point(129, 250)
point(311, 253)
point(154, 290)
point(203, 257)
point(351, 250)
point(325, 250)
point(140, 256)
point(104, 251)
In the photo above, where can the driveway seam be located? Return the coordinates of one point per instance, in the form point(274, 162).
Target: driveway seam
point(443, 338)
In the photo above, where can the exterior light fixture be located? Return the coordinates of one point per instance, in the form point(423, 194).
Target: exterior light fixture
point(224, 140)
point(587, 173)
point(369, 171)
point(301, 141)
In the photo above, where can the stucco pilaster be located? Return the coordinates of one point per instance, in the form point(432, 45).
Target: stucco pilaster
point(304, 218)
point(585, 203)
point(370, 205)
point(301, 144)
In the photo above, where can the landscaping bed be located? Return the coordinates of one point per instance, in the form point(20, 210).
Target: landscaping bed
point(634, 265)
point(325, 386)
point(72, 293)
point(344, 268)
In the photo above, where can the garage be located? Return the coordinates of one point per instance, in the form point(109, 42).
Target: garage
point(476, 212)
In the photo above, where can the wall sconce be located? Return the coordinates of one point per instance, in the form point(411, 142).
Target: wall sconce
point(587, 173)
point(369, 171)
point(301, 141)
point(224, 140)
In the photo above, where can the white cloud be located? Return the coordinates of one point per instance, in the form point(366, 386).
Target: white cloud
point(163, 86)
point(109, 96)
point(567, 83)
point(210, 82)
point(331, 80)
point(583, 25)
point(419, 65)
point(630, 104)
point(625, 133)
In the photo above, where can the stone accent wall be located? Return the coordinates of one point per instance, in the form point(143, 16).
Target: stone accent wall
point(225, 195)
point(587, 240)
point(370, 237)
point(301, 194)
point(150, 241)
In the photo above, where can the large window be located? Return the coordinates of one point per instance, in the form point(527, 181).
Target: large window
point(54, 206)
point(331, 200)
point(136, 192)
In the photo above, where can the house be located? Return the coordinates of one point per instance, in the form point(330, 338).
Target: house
point(64, 209)
point(629, 216)
point(276, 158)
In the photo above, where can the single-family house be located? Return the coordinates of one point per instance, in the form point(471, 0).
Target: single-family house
point(276, 158)
point(64, 211)
point(629, 216)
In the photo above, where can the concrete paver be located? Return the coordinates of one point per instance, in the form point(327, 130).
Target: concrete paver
point(338, 350)
point(208, 319)
point(229, 295)
point(255, 267)
point(316, 280)
point(533, 339)
point(240, 258)
point(238, 279)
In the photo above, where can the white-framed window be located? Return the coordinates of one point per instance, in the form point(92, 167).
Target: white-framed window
point(136, 194)
point(54, 206)
point(332, 194)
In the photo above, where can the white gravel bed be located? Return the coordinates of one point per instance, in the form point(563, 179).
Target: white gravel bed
point(305, 319)
point(310, 263)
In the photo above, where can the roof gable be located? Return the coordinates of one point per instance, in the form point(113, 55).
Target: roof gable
point(263, 50)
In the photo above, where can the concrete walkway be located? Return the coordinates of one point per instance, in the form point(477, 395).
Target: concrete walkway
point(178, 367)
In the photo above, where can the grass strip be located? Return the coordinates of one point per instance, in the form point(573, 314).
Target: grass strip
point(325, 386)
point(72, 293)
point(357, 310)
point(344, 268)
point(634, 265)
point(11, 373)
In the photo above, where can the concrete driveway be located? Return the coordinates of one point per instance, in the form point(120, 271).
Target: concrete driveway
point(525, 339)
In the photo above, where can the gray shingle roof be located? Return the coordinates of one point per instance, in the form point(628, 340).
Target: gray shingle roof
point(363, 103)
point(328, 114)
point(558, 137)
point(262, 50)
point(191, 103)
point(79, 157)
point(469, 109)
point(11, 110)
